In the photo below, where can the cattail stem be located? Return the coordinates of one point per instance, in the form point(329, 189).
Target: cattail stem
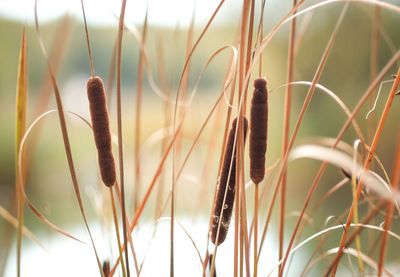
point(117, 232)
point(255, 228)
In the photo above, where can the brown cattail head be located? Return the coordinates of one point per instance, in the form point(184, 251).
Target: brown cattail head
point(106, 268)
point(226, 179)
point(258, 130)
point(101, 129)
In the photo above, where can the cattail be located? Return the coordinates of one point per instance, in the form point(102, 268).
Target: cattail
point(101, 129)
point(223, 182)
point(258, 130)
point(106, 268)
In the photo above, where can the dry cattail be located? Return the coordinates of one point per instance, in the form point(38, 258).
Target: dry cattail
point(258, 130)
point(101, 129)
point(223, 182)
point(106, 268)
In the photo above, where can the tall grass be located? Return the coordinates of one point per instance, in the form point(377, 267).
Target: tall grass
point(205, 164)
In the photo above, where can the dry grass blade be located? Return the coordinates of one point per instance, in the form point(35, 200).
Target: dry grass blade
point(286, 125)
point(65, 137)
point(361, 226)
point(60, 43)
point(119, 123)
point(373, 66)
point(367, 94)
point(362, 101)
point(149, 190)
point(310, 94)
point(139, 85)
point(369, 160)
point(110, 76)
point(114, 210)
point(87, 39)
point(161, 72)
point(25, 231)
point(21, 111)
point(22, 188)
point(354, 252)
point(337, 99)
point(342, 160)
point(389, 209)
point(185, 67)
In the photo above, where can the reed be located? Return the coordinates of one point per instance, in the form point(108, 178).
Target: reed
point(190, 128)
point(258, 146)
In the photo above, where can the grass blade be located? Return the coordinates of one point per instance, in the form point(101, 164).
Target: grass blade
point(21, 111)
point(368, 162)
point(64, 131)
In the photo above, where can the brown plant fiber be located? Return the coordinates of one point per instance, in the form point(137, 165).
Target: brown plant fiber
point(101, 129)
point(230, 195)
point(258, 130)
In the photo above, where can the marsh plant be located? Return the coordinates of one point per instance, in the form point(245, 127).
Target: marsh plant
point(314, 82)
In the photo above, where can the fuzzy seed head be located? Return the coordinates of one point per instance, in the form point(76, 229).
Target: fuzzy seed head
point(258, 130)
point(227, 183)
point(101, 129)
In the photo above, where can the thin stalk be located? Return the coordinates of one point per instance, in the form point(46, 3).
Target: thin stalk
point(249, 55)
point(167, 119)
point(21, 111)
point(148, 192)
point(175, 115)
point(368, 218)
point(242, 72)
point(356, 110)
point(138, 121)
point(240, 240)
point(373, 67)
point(240, 160)
point(389, 209)
point(286, 127)
point(119, 117)
point(87, 39)
point(368, 162)
point(117, 232)
point(255, 228)
point(110, 76)
point(64, 131)
point(306, 103)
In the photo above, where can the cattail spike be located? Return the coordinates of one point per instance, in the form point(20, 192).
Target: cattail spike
point(106, 268)
point(223, 182)
point(258, 130)
point(101, 129)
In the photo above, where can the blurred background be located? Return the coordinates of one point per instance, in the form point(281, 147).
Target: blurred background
point(49, 186)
